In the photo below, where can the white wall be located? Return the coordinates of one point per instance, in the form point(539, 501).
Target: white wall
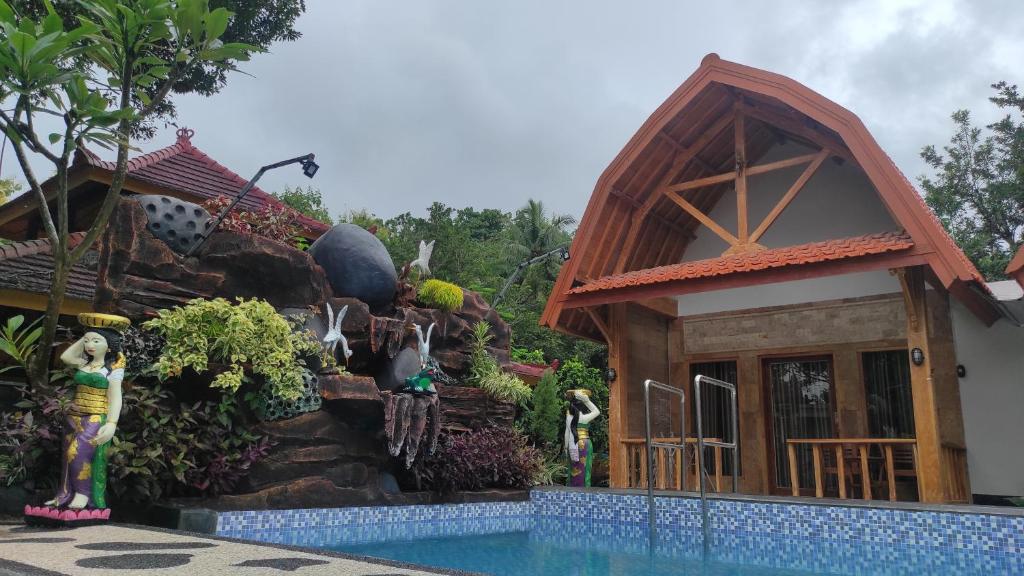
point(784, 293)
point(992, 396)
point(837, 202)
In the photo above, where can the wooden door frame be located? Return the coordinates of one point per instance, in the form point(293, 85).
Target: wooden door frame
point(769, 406)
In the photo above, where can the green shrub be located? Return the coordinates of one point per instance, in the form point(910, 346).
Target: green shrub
point(484, 372)
point(250, 332)
point(527, 356)
point(442, 295)
point(544, 418)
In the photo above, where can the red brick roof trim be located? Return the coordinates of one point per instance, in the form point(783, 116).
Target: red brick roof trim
point(29, 247)
point(814, 252)
point(216, 179)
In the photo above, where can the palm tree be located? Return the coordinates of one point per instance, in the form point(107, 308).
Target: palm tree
point(534, 234)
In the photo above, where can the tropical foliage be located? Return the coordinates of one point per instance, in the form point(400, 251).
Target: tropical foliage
point(442, 295)
point(977, 189)
point(306, 201)
point(249, 332)
point(101, 71)
point(266, 222)
point(18, 341)
point(485, 373)
point(486, 458)
point(544, 419)
point(166, 448)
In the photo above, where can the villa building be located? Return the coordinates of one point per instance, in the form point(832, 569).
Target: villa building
point(753, 231)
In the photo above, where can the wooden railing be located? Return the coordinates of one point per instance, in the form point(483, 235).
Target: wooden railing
point(669, 465)
point(954, 471)
point(851, 460)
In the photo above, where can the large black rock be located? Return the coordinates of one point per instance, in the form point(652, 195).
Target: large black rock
point(357, 264)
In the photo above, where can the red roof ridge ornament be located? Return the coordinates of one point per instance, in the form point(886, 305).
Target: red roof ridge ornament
point(185, 135)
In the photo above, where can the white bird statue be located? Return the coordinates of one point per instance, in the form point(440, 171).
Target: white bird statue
point(423, 262)
point(334, 334)
point(424, 343)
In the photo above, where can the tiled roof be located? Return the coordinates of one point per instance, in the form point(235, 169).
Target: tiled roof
point(812, 253)
point(188, 169)
point(28, 266)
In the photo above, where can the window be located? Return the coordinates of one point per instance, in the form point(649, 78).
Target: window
point(716, 412)
point(887, 392)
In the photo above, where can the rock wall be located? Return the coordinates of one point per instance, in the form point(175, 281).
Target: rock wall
point(338, 455)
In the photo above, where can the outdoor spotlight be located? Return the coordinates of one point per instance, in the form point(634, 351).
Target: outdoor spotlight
point(917, 356)
point(610, 375)
point(564, 254)
point(309, 167)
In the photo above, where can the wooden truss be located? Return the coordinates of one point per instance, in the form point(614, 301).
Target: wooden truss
point(744, 240)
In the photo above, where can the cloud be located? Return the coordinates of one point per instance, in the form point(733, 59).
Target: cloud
point(488, 104)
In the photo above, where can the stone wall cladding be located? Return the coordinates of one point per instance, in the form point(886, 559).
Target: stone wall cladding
point(833, 322)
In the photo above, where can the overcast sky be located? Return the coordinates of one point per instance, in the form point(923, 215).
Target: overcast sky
point(487, 104)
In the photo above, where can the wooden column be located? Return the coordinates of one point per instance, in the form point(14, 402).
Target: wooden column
point(926, 417)
point(618, 396)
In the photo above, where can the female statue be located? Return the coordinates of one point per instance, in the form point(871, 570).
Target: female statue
point(577, 436)
point(99, 368)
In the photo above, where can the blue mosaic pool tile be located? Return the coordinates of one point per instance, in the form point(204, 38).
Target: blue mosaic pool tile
point(621, 520)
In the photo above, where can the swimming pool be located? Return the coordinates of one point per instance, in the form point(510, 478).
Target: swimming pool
point(587, 533)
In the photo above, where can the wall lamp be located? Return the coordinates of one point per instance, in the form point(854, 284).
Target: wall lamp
point(917, 356)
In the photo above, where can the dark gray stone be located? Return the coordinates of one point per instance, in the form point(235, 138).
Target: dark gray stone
point(135, 561)
point(144, 546)
point(405, 364)
point(12, 499)
point(388, 483)
point(178, 223)
point(357, 265)
point(283, 564)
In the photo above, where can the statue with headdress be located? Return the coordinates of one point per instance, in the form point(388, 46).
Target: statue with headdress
point(99, 364)
point(578, 446)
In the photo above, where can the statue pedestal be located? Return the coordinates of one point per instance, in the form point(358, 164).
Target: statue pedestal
point(58, 518)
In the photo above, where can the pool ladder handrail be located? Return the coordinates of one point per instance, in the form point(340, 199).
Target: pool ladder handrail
point(651, 445)
point(701, 443)
point(699, 449)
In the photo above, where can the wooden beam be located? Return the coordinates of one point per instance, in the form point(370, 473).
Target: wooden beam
point(797, 126)
point(922, 389)
point(667, 307)
point(602, 326)
point(661, 219)
point(701, 182)
point(704, 219)
point(618, 396)
point(678, 163)
point(790, 194)
point(780, 164)
point(741, 175)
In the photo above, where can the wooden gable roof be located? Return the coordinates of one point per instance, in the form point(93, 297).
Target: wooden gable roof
point(715, 127)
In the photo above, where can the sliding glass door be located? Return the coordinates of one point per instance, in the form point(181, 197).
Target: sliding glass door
point(800, 394)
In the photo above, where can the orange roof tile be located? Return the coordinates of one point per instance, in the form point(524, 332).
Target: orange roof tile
point(814, 252)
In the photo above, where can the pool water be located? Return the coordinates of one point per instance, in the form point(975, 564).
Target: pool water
point(564, 548)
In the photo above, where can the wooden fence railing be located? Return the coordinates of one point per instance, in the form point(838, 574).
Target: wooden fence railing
point(669, 465)
point(954, 470)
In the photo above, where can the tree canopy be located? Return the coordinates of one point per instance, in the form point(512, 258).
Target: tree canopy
point(257, 23)
point(977, 190)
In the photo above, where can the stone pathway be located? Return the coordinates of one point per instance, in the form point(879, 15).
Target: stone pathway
point(116, 549)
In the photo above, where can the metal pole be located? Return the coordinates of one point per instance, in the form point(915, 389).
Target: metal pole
point(651, 512)
point(238, 198)
point(700, 461)
point(736, 444)
point(519, 268)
